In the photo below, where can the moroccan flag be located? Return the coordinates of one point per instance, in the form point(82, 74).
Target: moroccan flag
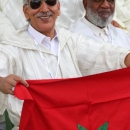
point(97, 102)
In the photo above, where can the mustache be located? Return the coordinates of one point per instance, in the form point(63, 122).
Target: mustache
point(105, 10)
point(44, 14)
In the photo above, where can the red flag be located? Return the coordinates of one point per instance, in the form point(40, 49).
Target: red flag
point(97, 102)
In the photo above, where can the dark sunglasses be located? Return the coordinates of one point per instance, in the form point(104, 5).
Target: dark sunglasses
point(101, 1)
point(35, 4)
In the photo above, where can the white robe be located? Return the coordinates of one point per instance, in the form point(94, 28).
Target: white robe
point(123, 12)
point(79, 56)
point(116, 36)
point(5, 25)
point(11, 16)
point(71, 10)
point(13, 10)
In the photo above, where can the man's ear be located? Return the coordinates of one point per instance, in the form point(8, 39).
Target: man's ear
point(58, 6)
point(25, 10)
point(85, 3)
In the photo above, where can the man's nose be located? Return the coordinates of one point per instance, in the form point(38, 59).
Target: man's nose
point(105, 4)
point(44, 7)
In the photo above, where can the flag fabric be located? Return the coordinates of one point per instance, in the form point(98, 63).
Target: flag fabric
point(97, 102)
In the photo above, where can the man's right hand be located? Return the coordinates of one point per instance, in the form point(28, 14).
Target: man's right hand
point(8, 83)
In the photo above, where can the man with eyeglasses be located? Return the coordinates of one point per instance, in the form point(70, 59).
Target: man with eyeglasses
point(44, 51)
point(96, 23)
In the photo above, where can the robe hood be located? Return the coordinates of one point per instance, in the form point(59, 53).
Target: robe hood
point(22, 39)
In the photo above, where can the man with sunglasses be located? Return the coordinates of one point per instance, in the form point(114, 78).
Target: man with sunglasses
point(96, 23)
point(44, 51)
point(12, 16)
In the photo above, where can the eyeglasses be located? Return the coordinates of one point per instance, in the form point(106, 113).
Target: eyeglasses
point(101, 1)
point(35, 4)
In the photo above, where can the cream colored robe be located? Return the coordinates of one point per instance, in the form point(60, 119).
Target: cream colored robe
point(79, 56)
point(11, 16)
point(71, 10)
point(13, 11)
point(123, 13)
point(116, 36)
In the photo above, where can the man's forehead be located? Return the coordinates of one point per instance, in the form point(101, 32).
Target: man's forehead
point(102, 0)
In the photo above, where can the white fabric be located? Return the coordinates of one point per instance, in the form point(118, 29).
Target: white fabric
point(11, 16)
point(18, 55)
point(98, 32)
point(51, 45)
point(123, 12)
point(5, 25)
point(71, 10)
point(116, 36)
point(13, 10)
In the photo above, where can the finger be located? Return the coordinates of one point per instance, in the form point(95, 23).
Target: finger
point(9, 91)
point(18, 79)
point(8, 87)
point(23, 82)
point(12, 88)
point(12, 82)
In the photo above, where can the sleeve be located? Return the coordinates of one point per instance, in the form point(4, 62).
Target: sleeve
point(6, 68)
point(5, 25)
point(94, 57)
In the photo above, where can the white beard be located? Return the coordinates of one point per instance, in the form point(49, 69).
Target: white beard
point(94, 18)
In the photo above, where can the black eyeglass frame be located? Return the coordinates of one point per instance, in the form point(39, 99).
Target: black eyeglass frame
point(101, 1)
point(35, 4)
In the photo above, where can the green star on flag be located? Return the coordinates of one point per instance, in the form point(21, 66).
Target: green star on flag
point(103, 127)
point(81, 127)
